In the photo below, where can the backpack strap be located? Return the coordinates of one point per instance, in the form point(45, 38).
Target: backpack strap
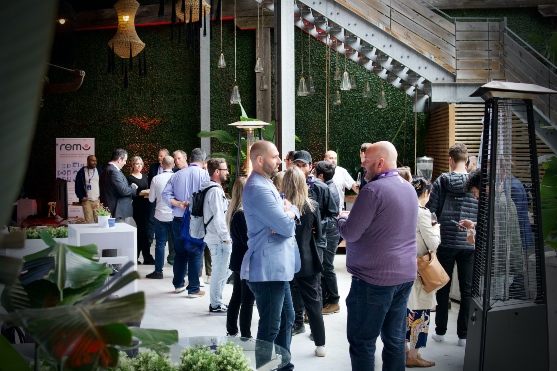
point(205, 194)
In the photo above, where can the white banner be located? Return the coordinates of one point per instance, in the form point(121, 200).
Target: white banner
point(71, 155)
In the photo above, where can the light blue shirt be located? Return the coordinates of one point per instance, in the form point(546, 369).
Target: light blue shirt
point(270, 256)
point(182, 185)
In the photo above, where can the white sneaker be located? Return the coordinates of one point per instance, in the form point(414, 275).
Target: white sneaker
point(320, 351)
point(180, 289)
point(208, 280)
point(438, 338)
point(461, 342)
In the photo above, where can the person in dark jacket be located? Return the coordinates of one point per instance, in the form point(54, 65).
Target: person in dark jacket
point(308, 231)
point(325, 171)
point(87, 188)
point(242, 299)
point(449, 201)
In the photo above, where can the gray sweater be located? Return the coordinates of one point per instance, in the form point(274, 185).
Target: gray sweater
point(380, 233)
point(215, 205)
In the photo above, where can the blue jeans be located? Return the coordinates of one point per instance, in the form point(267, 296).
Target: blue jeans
point(220, 258)
point(276, 316)
point(374, 310)
point(163, 232)
point(186, 259)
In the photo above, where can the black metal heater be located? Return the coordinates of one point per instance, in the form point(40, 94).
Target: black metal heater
point(507, 328)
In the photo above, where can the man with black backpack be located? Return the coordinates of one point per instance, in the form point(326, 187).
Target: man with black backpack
point(217, 236)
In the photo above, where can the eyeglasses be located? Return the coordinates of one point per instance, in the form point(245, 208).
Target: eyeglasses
point(223, 169)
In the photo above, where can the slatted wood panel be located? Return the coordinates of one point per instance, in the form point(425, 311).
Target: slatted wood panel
point(465, 126)
point(478, 48)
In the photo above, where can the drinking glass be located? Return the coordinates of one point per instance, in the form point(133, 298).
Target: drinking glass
point(433, 219)
point(359, 180)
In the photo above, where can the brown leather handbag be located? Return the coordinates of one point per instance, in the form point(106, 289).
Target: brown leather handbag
point(431, 273)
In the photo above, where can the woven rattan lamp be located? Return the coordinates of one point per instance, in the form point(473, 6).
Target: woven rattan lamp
point(192, 7)
point(126, 43)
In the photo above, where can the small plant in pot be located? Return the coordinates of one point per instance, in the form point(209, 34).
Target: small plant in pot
point(103, 214)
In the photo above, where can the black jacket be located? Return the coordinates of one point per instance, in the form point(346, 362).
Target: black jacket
point(308, 231)
point(328, 208)
point(81, 183)
point(116, 193)
point(154, 170)
point(449, 202)
point(239, 235)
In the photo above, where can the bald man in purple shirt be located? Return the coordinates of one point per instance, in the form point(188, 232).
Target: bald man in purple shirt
point(380, 234)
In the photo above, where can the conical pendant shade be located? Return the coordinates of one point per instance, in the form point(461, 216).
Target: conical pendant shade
point(258, 65)
point(302, 88)
point(263, 83)
point(382, 102)
point(352, 82)
point(235, 97)
point(310, 86)
point(222, 62)
point(336, 100)
point(345, 83)
point(367, 91)
point(338, 75)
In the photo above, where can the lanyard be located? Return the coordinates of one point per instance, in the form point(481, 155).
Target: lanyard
point(90, 176)
point(386, 174)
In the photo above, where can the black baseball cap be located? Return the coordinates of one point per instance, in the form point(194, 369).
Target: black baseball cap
point(303, 156)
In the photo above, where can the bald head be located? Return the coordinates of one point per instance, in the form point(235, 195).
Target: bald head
point(260, 148)
point(167, 162)
point(265, 158)
point(379, 157)
point(331, 156)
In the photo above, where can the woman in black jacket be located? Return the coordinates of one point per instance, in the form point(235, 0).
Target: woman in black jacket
point(308, 279)
point(242, 299)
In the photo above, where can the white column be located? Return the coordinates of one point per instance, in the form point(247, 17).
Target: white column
point(205, 85)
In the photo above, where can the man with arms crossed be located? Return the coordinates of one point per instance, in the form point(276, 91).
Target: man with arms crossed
point(272, 257)
point(380, 234)
point(87, 188)
point(341, 178)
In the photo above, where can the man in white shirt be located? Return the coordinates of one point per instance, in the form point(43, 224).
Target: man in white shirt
point(163, 215)
point(341, 178)
point(87, 188)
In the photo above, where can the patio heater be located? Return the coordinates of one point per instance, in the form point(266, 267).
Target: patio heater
point(249, 127)
point(507, 327)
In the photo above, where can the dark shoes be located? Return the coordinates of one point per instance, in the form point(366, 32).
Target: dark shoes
point(298, 328)
point(221, 309)
point(155, 276)
point(149, 261)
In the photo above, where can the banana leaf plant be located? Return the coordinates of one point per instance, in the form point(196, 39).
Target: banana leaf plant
point(64, 298)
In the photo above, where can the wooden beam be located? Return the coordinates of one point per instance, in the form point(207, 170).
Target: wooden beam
point(548, 10)
point(483, 4)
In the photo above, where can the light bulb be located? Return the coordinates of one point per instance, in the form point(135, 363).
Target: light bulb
point(126, 18)
point(61, 21)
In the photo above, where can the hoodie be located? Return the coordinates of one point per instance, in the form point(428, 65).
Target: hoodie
point(449, 202)
point(215, 205)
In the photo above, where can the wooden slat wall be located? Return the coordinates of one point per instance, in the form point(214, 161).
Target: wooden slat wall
point(462, 123)
point(478, 47)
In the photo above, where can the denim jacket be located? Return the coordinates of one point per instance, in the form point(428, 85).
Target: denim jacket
point(272, 250)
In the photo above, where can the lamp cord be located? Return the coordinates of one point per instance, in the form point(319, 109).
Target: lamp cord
point(234, 41)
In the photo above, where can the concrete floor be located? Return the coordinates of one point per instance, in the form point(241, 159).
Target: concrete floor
point(167, 310)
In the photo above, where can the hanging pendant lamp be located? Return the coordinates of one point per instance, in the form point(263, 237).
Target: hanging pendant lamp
point(367, 91)
point(235, 97)
point(302, 87)
point(125, 42)
point(338, 75)
point(345, 83)
point(196, 12)
point(221, 63)
point(310, 86)
point(336, 100)
point(382, 101)
point(258, 65)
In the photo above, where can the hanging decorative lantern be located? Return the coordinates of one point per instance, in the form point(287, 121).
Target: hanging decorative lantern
point(195, 12)
point(126, 43)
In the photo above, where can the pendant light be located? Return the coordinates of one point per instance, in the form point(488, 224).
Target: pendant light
point(367, 91)
point(337, 76)
point(345, 83)
point(258, 64)
point(336, 100)
point(382, 101)
point(302, 87)
point(310, 86)
point(235, 97)
point(222, 62)
point(352, 81)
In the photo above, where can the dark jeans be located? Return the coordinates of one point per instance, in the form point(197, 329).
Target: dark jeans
point(374, 310)
point(163, 232)
point(465, 264)
point(329, 284)
point(310, 291)
point(151, 231)
point(241, 302)
point(186, 259)
point(276, 317)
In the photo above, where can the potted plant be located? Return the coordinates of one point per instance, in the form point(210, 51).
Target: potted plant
point(103, 214)
point(33, 241)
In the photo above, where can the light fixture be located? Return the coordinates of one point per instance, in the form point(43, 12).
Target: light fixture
point(263, 83)
point(345, 83)
point(192, 7)
point(302, 87)
point(61, 21)
point(126, 43)
point(235, 97)
point(222, 62)
point(248, 127)
point(258, 64)
point(336, 99)
point(352, 81)
point(367, 91)
point(337, 76)
point(382, 101)
point(310, 86)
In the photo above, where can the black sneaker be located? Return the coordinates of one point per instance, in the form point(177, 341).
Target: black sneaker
point(298, 328)
point(221, 309)
point(155, 275)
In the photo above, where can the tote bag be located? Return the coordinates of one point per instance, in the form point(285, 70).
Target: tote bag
point(431, 273)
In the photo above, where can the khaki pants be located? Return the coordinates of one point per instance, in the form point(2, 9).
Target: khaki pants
point(88, 214)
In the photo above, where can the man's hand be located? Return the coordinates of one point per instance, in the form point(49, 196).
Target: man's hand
point(468, 224)
point(344, 213)
point(287, 205)
point(84, 199)
point(134, 185)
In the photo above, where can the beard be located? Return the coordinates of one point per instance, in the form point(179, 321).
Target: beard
point(270, 170)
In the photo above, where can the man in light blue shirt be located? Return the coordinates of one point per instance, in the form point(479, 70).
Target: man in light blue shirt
point(272, 257)
point(176, 194)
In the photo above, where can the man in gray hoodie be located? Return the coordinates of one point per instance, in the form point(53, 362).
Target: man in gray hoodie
point(217, 236)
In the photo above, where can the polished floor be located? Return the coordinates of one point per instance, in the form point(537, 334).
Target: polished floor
point(167, 310)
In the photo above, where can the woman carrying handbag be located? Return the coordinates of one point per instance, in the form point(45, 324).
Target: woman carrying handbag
point(420, 302)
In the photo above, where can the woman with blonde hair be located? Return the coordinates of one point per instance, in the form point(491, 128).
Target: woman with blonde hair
point(141, 207)
point(277, 181)
point(308, 280)
point(242, 299)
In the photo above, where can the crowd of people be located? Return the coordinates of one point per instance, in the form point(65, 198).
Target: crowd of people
point(277, 237)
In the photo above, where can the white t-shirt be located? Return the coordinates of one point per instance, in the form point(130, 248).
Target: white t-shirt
point(92, 179)
point(342, 180)
point(163, 213)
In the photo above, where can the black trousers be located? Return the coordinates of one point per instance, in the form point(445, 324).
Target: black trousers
point(329, 284)
point(309, 289)
point(465, 264)
point(241, 303)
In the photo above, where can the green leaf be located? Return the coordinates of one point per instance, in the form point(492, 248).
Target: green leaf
point(157, 340)
point(47, 238)
point(11, 359)
point(117, 333)
point(221, 135)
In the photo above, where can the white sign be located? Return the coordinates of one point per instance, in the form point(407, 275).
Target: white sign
point(71, 156)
